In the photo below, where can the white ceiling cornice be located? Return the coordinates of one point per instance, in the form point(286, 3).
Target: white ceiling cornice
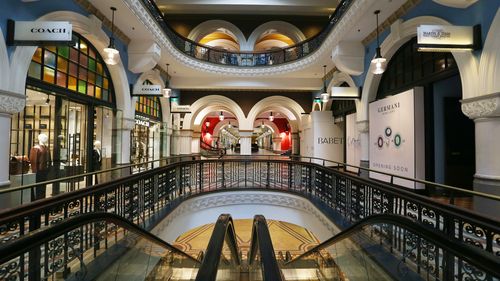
point(343, 28)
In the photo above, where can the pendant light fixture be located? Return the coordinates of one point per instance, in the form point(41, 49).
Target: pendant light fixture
point(262, 125)
point(221, 116)
point(207, 124)
point(112, 55)
point(167, 91)
point(378, 63)
point(271, 117)
point(230, 126)
point(324, 95)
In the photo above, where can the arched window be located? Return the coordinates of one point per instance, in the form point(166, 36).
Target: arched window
point(78, 68)
point(409, 68)
point(148, 106)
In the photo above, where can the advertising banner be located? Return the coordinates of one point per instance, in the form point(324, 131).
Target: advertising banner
point(328, 137)
point(397, 137)
point(353, 143)
point(38, 32)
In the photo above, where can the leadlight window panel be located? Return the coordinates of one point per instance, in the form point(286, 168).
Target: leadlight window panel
point(408, 68)
point(78, 68)
point(148, 106)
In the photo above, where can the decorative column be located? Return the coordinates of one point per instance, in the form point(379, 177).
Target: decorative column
point(277, 144)
point(485, 111)
point(365, 146)
point(123, 144)
point(295, 144)
point(175, 150)
point(10, 103)
point(185, 141)
point(195, 142)
point(246, 142)
point(167, 142)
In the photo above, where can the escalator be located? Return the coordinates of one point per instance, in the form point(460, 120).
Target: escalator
point(103, 246)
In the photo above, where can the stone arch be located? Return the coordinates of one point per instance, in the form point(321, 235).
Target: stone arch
point(401, 32)
point(211, 103)
point(338, 78)
point(90, 28)
point(489, 66)
point(290, 108)
point(209, 26)
point(282, 27)
point(270, 125)
point(224, 123)
point(155, 77)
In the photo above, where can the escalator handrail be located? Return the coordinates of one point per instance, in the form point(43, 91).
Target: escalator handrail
point(223, 231)
point(22, 245)
point(261, 242)
point(472, 255)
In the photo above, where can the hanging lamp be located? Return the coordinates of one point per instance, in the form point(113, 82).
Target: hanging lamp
point(378, 63)
point(221, 116)
point(324, 95)
point(167, 91)
point(230, 126)
point(271, 117)
point(111, 54)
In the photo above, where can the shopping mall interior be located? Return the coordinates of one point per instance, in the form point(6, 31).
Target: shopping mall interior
point(250, 140)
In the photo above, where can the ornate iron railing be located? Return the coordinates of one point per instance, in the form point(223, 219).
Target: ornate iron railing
point(347, 197)
point(247, 59)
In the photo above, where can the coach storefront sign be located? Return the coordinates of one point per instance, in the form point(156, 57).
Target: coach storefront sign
point(38, 32)
point(446, 38)
point(148, 90)
point(142, 121)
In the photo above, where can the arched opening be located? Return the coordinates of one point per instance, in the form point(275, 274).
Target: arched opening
point(222, 39)
point(272, 39)
point(70, 102)
point(447, 160)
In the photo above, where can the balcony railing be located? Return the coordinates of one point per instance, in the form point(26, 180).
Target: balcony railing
point(247, 59)
point(145, 197)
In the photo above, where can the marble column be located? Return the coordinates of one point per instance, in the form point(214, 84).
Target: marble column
point(363, 130)
point(195, 142)
point(185, 141)
point(246, 142)
point(295, 144)
point(277, 143)
point(10, 103)
point(485, 111)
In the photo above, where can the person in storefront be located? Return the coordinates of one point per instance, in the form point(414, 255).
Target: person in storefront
point(40, 164)
point(96, 159)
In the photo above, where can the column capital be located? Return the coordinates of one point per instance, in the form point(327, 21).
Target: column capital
point(11, 102)
point(128, 124)
point(482, 107)
point(245, 134)
point(277, 139)
point(363, 126)
point(196, 135)
point(185, 133)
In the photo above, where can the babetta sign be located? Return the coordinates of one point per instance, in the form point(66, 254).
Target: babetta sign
point(38, 32)
point(148, 90)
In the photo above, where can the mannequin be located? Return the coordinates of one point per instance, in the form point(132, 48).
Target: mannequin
point(96, 158)
point(40, 163)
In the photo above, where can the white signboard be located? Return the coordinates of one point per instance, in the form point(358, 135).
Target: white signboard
point(40, 31)
point(436, 37)
point(328, 138)
point(353, 143)
point(397, 137)
point(345, 93)
point(148, 90)
point(142, 120)
point(181, 108)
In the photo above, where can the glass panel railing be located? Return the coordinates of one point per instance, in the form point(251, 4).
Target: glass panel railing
point(94, 247)
point(392, 249)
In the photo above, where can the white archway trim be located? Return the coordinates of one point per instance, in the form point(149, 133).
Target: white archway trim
point(205, 209)
point(270, 125)
point(4, 65)
point(462, 4)
point(223, 124)
point(357, 10)
point(285, 105)
point(282, 27)
point(207, 104)
point(338, 78)
point(401, 32)
point(209, 26)
point(489, 66)
point(90, 28)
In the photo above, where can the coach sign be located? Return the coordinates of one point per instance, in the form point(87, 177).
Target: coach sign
point(435, 38)
point(148, 90)
point(38, 32)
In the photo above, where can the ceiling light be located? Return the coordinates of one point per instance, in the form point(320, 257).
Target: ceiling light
point(207, 124)
point(262, 125)
point(324, 95)
point(378, 63)
point(47, 101)
point(221, 116)
point(271, 117)
point(230, 126)
point(112, 55)
point(167, 91)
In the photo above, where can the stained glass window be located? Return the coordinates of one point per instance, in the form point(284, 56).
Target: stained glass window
point(148, 106)
point(78, 68)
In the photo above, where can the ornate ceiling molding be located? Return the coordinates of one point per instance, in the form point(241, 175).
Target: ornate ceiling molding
point(350, 18)
point(482, 107)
